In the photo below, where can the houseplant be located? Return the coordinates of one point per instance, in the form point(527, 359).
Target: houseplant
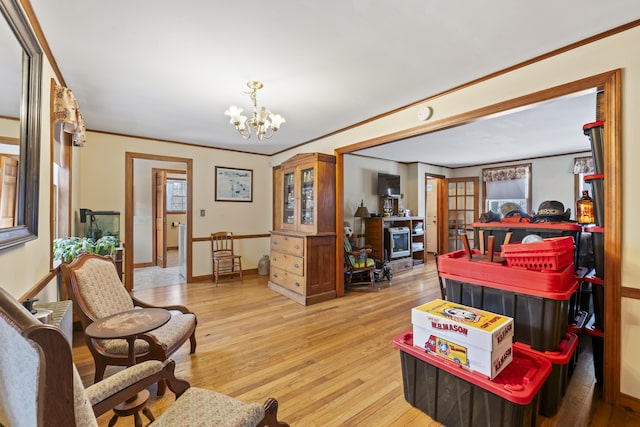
point(68, 248)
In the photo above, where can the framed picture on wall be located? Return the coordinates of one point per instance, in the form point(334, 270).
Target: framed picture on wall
point(234, 185)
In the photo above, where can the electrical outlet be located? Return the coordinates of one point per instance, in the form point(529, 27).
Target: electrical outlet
point(201, 212)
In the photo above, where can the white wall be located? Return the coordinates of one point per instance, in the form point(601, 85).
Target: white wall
point(143, 215)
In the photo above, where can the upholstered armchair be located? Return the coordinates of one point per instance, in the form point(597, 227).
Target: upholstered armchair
point(97, 292)
point(41, 386)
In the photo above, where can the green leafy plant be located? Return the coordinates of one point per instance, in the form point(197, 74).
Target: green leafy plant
point(67, 249)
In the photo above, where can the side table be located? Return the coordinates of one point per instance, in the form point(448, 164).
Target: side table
point(129, 325)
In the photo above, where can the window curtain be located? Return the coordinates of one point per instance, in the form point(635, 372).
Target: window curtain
point(510, 182)
point(66, 111)
point(583, 165)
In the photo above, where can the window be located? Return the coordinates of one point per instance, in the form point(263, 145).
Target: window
point(583, 166)
point(176, 195)
point(507, 184)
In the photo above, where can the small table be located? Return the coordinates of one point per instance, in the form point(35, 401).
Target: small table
point(128, 325)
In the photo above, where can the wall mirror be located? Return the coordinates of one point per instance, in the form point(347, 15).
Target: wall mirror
point(20, 93)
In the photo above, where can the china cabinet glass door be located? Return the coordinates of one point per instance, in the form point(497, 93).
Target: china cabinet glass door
point(307, 197)
point(288, 210)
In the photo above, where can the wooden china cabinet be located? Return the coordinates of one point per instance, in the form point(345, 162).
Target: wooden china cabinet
point(303, 244)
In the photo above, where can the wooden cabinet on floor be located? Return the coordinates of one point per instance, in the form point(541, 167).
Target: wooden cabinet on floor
point(303, 251)
point(302, 266)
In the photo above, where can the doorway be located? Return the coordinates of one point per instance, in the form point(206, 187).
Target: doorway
point(610, 84)
point(169, 207)
point(433, 206)
point(141, 207)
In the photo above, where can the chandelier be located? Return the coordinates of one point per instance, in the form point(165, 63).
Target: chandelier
point(263, 122)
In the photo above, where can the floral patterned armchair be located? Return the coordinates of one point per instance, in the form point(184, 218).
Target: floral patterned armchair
point(41, 386)
point(97, 292)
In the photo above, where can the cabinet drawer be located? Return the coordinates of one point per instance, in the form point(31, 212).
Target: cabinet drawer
point(288, 244)
point(288, 280)
point(290, 263)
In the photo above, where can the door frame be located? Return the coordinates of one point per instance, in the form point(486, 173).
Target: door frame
point(129, 205)
point(611, 83)
point(441, 209)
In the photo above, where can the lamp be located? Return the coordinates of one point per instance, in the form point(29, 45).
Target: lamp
point(263, 122)
point(361, 212)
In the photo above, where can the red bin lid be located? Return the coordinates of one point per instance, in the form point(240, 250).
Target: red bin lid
point(588, 126)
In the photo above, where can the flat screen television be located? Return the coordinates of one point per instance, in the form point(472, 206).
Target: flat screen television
point(388, 185)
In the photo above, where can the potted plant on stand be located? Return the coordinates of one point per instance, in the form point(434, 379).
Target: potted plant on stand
point(68, 248)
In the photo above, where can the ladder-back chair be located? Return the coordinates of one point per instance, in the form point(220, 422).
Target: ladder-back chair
point(224, 259)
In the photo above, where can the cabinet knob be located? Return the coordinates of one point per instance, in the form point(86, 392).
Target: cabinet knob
point(296, 265)
point(274, 259)
point(275, 275)
point(275, 243)
point(297, 284)
point(297, 246)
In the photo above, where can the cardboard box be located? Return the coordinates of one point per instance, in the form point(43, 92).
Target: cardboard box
point(485, 362)
point(477, 339)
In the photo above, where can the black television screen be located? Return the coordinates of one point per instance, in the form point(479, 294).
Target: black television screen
point(388, 185)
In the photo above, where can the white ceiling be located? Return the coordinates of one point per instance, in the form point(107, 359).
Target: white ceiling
point(169, 70)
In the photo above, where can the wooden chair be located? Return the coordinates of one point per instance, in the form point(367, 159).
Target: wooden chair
point(225, 261)
point(47, 391)
point(357, 263)
point(97, 292)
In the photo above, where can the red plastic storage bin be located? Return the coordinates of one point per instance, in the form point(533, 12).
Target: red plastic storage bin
point(502, 276)
point(555, 386)
point(553, 254)
point(455, 396)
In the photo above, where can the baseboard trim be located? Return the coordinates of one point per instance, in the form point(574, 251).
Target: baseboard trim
point(629, 402)
point(207, 278)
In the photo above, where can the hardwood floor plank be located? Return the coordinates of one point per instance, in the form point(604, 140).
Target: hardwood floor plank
point(328, 364)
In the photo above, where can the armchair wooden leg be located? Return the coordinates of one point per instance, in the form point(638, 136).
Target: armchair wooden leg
point(271, 415)
point(192, 341)
point(99, 370)
point(162, 388)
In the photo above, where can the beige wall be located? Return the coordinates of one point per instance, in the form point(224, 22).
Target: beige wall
point(553, 179)
point(617, 51)
point(102, 173)
point(22, 266)
point(104, 157)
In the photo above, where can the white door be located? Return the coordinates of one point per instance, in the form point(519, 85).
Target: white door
point(431, 218)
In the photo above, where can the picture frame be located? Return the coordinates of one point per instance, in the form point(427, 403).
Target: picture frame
point(233, 185)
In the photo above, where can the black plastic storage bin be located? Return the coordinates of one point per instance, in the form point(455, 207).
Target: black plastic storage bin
point(595, 132)
point(597, 240)
point(457, 397)
point(555, 386)
point(597, 347)
point(540, 321)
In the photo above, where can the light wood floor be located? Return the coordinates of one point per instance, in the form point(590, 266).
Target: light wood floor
point(328, 364)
